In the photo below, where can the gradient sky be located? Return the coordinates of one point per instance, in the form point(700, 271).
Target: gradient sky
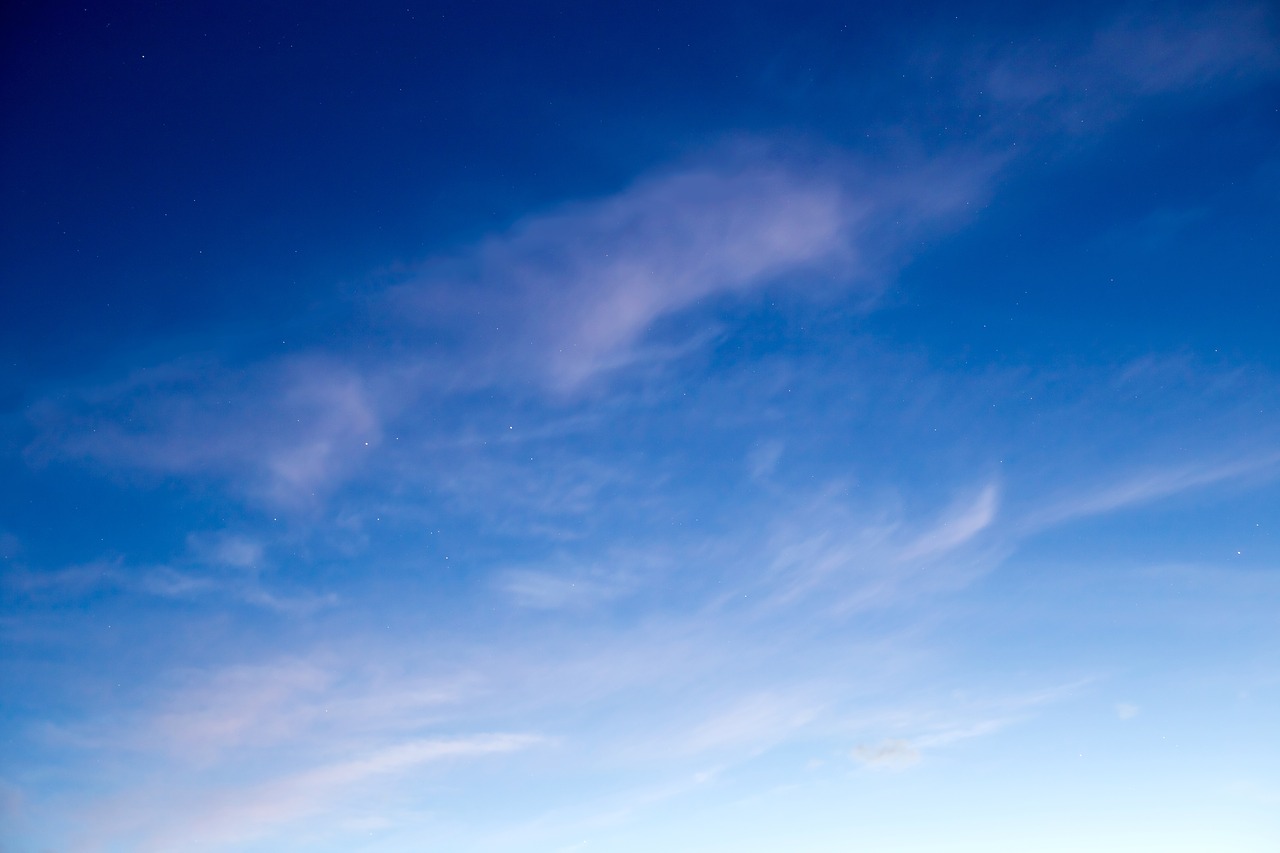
point(632, 427)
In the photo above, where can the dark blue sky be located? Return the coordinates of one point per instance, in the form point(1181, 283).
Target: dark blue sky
point(174, 170)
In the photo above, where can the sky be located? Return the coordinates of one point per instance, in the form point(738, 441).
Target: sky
point(578, 426)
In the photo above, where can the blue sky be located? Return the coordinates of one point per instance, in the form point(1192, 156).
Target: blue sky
point(615, 427)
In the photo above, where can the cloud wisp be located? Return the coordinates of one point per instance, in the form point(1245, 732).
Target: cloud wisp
point(567, 296)
point(282, 433)
point(1079, 87)
point(1148, 487)
point(246, 813)
point(226, 567)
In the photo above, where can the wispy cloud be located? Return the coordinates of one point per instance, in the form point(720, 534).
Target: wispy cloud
point(542, 590)
point(245, 813)
point(957, 527)
point(854, 557)
point(242, 706)
point(280, 432)
point(10, 545)
point(227, 549)
point(752, 723)
point(932, 729)
point(763, 459)
point(892, 753)
point(1085, 85)
point(568, 295)
point(1144, 488)
point(229, 567)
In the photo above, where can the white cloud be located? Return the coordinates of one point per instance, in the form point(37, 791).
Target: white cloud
point(10, 545)
point(957, 527)
point(220, 715)
point(892, 754)
point(1086, 86)
point(565, 296)
point(1148, 487)
point(576, 290)
point(854, 560)
point(1127, 710)
point(542, 590)
point(752, 723)
point(901, 753)
point(226, 549)
point(248, 812)
point(763, 459)
point(283, 432)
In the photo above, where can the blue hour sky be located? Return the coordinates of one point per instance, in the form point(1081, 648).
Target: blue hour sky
point(571, 427)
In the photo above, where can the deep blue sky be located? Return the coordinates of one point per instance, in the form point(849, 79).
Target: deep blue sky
point(612, 426)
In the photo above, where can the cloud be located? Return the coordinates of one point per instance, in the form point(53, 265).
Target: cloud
point(753, 722)
point(12, 801)
point(1148, 487)
point(967, 731)
point(1083, 86)
point(240, 706)
point(565, 296)
point(222, 715)
point(1153, 55)
point(855, 557)
point(200, 572)
point(831, 553)
point(76, 579)
point(763, 459)
point(226, 549)
point(576, 290)
point(10, 545)
point(232, 753)
point(541, 590)
point(1126, 710)
point(890, 754)
point(248, 812)
point(281, 432)
point(960, 524)
point(971, 720)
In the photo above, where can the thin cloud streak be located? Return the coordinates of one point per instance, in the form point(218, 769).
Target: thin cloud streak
point(247, 813)
point(1080, 88)
point(282, 433)
point(960, 525)
point(1147, 488)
